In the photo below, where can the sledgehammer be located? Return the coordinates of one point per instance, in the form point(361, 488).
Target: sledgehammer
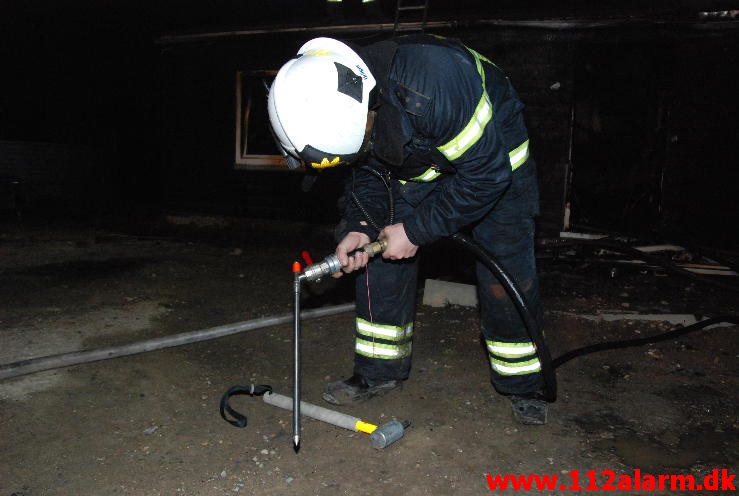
point(380, 437)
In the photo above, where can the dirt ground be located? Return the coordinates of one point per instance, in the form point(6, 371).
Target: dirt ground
point(148, 424)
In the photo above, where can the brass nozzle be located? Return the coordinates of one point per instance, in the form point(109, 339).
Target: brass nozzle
point(330, 264)
point(373, 249)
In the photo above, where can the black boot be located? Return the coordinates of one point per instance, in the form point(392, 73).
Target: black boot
point(356, 389)
point(529, 409)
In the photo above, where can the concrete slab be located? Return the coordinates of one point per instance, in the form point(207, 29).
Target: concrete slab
point(438, 293)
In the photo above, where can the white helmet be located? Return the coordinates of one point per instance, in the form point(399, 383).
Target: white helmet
point(318, 105)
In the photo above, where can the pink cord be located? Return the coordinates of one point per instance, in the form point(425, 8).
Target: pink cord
point(369, 298)
point(369, 303)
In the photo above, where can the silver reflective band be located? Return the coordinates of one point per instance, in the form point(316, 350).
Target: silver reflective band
point(392, 333)
point(516, 351)
point(517, 368)
point(519, 155)
point(510, 350)
point(381, 350)
point(383, 341)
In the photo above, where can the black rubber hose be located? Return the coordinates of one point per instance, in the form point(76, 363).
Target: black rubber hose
point(547, 363)
point(627, 343)
point(535, 334)
point(237, 419)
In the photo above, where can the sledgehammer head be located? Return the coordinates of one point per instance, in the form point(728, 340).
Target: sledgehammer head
point(388, 433)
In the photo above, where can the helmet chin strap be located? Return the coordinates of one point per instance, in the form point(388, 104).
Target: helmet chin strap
point(367, 142)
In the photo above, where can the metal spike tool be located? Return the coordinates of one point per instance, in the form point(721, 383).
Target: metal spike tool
point(315, 272)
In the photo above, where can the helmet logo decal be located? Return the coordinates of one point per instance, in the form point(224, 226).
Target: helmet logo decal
point(325, 164)
point(361, 71)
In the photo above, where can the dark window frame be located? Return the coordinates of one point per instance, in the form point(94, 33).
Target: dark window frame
point(249, 87)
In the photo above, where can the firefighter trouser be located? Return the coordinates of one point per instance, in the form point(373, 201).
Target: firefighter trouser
point(386, 297)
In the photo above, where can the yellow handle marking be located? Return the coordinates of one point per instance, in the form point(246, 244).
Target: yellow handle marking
point(365, 427)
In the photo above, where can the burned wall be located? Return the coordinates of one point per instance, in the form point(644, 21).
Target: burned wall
point(654, 136)
point(701, 172)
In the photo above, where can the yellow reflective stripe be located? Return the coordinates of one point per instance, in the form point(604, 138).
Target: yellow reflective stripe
point(472, 131)
point(478, 63)
point(479, 57)
point(427, 176)
point(516, 368)
point(393, 333)
point(458, 145)
point(510, 350)
point(381, 350)
point(365, 427)
point(519, 155)
point(480, 118)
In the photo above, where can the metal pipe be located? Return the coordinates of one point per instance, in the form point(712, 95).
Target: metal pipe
point(380, 437)
point(314, 411)
point(29, 366)
point(296, 357)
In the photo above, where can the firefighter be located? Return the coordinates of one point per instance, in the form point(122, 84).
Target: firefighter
point(436, 140)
